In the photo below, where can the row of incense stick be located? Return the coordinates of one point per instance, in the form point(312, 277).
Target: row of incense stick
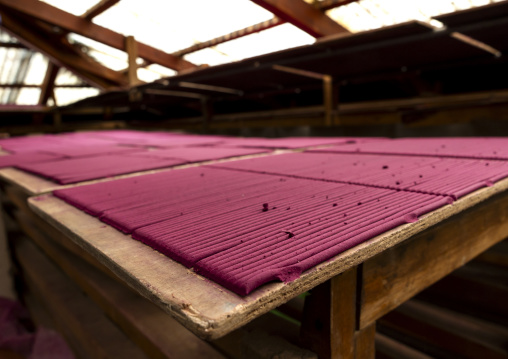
point(244, 229)
point(453, 177)
point(474, 147)
point(77, 157)
point(244, 223)
point(74, 170)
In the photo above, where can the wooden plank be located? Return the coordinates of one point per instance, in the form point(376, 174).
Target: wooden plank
point(201, 305)
point(155, 332)
point(461, 336)
point(401, 272)
point(31, 184)
point(71, 309)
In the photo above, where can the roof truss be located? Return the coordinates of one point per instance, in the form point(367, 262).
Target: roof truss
point(265, 25)
point(60, 51)
point(55, 17)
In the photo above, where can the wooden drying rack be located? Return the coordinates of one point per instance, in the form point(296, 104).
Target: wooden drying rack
point(350, 292)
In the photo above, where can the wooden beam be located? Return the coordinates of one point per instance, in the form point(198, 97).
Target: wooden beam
point(48, 84)
point(328, 99)
point(329, 320)
point(131, 47)
point(302, 15)
point(12, 45)
point(22, 85)
point(19, 85)
point(60, 51)
point(326, 5)
point(98, 9)
point(265, 25)
point(71, 23)
point(275, 21)
point(402, 271)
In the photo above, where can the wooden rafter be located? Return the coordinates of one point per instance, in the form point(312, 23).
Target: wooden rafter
point(304, 16)
point(132, 53)
point(275, 21)
point(60, 51)
point(71, 23)
point(98, 9)
point(264, 25)
point(48, 85)
point(47, 88)
point(12, 45)
point(326, 5)
point(33, 86)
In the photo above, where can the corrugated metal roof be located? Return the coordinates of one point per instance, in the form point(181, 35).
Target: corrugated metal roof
point(174, 25)
point(372, 14)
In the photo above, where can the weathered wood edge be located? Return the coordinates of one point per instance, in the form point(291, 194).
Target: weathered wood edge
point(206, 322)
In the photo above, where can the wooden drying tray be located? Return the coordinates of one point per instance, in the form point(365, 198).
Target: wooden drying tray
point(389, 275)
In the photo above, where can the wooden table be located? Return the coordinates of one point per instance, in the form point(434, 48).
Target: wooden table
point(349, 292)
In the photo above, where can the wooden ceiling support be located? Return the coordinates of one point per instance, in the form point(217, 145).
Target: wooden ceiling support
point(265, 25)
point(275, 21)
point(60, 51)
point(48, 85)
point(12, 45)
point(326, 5)
point(98, 9)
point(131, 47)
point(304, 16)
point(71, 23)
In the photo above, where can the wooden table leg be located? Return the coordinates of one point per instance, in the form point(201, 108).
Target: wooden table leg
point(329, 324)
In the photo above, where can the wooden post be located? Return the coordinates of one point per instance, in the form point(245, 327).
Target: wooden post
point(48, 85)
point(328, 99)
point(131, 47)
point(57, 119)
point(206, 109)
point(335, 104)
point(329, 324)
